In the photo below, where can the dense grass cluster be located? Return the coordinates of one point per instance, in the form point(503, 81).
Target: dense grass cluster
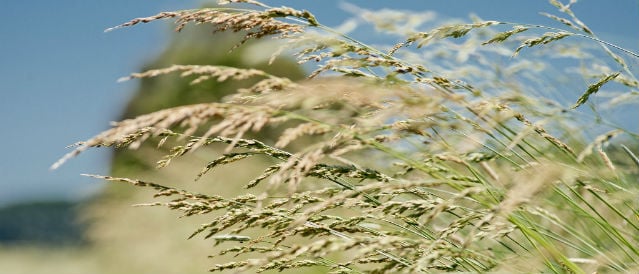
point(453, 149)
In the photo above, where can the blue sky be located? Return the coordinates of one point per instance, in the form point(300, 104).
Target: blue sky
point(58, 72)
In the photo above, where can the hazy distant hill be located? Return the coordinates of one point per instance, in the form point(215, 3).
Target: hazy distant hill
point(51, 223)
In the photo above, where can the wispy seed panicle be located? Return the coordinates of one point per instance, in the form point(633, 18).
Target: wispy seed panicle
point(453, 31)
point(593, 88)
point(599, 142)
point(159, 16)
point(192, 117)
point(546, 38)
point(255, 24)
point(252, 2)
point(503, 36)
point(564, 21)
point(221, 73)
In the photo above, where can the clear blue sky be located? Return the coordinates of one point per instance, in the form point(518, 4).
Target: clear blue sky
point(58, 72)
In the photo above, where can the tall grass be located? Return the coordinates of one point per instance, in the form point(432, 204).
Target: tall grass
point(455, 149)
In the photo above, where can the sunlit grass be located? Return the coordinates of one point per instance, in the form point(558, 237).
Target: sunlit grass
point(447, 151)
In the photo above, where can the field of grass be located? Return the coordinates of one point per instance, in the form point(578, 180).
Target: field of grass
point(467, 146)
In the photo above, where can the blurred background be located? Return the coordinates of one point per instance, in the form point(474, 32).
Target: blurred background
point(58, 72)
